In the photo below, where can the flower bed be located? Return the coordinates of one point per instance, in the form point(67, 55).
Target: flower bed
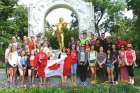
point(95, 89)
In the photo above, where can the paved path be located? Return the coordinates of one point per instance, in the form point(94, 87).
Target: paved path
point(2, 74)
point(53, 81)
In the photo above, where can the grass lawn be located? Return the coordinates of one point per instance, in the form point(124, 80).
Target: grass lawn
point(137, 76)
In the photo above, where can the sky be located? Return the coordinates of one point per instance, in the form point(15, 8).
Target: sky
point(62, 12)
point(54, 15)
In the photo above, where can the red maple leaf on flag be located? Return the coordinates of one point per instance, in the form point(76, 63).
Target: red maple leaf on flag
point(54, 66)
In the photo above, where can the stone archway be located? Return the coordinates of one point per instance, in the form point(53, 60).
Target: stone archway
point(37, 12)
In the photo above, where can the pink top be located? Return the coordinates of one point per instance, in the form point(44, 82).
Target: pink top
point(122, 55)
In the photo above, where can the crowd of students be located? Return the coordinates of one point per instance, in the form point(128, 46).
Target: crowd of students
point(95, 57)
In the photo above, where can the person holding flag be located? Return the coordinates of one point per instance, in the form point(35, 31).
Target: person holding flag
point(42, 62)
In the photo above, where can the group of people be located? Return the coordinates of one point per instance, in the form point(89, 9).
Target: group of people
point(86, 57)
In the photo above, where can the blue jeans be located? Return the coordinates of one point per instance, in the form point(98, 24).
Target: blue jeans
point(73, 69)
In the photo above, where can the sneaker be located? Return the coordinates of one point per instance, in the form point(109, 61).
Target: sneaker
point(132, 82)
point(84, 84)
point(75, 84)
point(93, 82)
point(136, 65)
point(116, 82)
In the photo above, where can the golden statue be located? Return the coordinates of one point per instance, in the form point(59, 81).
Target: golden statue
point(61, 25)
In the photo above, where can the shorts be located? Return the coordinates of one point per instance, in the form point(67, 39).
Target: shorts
point(130, 70)
point(92, 63)
point(9, 66)
point(73, 69)
point(110, 66)
point(34, 72)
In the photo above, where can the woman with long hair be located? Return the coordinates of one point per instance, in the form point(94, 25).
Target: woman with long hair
point(110, 65)
point(12, 64)
point(92, 64)
point(116, 67)
point(74, 58)
point(122, 65)
point(32, 66)
point(22, 64)
point(67, 65)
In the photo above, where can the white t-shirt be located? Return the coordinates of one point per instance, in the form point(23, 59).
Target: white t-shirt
point(92, 55)
point(13, 58)
point(82, 56)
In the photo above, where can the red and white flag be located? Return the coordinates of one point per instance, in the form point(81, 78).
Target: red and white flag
point(54, 67)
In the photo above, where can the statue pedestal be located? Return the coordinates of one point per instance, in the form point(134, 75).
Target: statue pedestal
point(55, 54)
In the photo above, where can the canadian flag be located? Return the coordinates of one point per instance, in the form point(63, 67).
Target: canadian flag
point(54, 67)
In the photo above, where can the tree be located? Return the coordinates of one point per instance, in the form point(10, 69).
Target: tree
point(21, 20)
point(13, 22)
point(134, 5)
point(6, 9)
point(105, 13)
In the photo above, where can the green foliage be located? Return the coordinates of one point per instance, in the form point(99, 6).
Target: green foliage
point(125, 28)
point(6, 8)
point(94, 89)
point(13, 22)
point(1, 53)
point(106, 11)
point(52, 39)
point(137, 76)
point(135, 6)
point(70, 33)
point(21, 20)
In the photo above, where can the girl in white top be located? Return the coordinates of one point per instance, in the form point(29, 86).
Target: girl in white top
point(12, 63)
point(92, 65)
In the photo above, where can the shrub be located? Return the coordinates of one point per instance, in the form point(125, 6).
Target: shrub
point(67, 35)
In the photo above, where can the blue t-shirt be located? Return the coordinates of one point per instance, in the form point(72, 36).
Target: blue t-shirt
point(23, 60)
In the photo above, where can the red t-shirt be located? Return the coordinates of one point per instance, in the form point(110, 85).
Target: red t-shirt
point(67, 65)
point(74, 57)
point(87, 47)
point(43, 57)
point(33, 61)
point(30, 45)
point(129, 57)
